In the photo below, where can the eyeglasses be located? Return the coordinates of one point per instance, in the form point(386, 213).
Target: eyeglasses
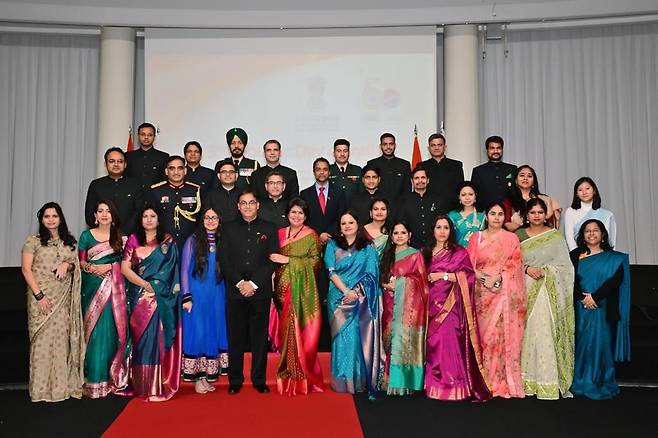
point(249, 203)
point(275, 183)
point(227, 172)
point(210, 218)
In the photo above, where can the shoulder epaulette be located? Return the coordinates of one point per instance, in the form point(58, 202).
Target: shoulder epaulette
point(159, 184)
point(192, 184)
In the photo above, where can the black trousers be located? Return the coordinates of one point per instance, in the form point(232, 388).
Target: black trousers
point(247, 319)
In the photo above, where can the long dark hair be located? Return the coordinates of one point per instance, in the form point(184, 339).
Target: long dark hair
point(459, 189)
point(486, 212)
point(385, 226)
point(517, 197)
point(580, 240)
point(532, 202)
point(115, 227)
point(201, 247)
point(139, 229)
point(451, 243)
point(388, 256)
point(576, 203)
point(361, 240)
point(62, 230)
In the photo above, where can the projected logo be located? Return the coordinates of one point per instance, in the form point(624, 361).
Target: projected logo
point(375, 97)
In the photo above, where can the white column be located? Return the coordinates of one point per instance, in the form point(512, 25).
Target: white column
point(117, 84)
point(462, 100)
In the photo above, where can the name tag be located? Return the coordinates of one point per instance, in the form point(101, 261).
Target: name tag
point(188, 200)
point(246, 172)
point(164, 199)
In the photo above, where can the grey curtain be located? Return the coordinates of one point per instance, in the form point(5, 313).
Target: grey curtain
point(48, 130)
point(577, 102)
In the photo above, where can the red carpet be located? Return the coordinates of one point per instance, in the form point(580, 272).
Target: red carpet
point(248, 414)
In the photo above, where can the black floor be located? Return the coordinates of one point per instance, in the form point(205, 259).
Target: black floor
point(633, 414)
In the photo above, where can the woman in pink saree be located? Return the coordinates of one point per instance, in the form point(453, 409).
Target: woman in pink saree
point(500, 302)
point(454, 369)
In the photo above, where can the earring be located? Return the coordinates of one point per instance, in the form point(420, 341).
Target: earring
point(112, 223)
point(96, 222)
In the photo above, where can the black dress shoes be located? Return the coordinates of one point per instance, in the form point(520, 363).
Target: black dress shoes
point(234, 389)
point(263, 388)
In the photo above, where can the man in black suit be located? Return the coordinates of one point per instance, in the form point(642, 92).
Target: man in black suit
point(272, 152)
point(223, 198)
point(146, 164)
point(324, 201)
point(125, 192)
point(272, 204)
point(196, 173)
point(248, 243)
point(342, 174)
point(361, 201)
point(420, 207)
point(236, 139)
point(395, 172)
point(493, 179)
point(444, 174)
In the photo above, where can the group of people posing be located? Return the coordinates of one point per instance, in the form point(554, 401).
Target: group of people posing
point(422, 288)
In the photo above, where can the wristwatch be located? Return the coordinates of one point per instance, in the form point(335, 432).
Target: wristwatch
point(445, 276)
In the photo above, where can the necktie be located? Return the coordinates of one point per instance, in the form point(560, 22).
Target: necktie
point(322, 200)
point(342, 169)
point(237, 163)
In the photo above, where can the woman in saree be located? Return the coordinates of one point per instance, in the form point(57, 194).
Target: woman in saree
point(377, 228)
point(602, 298)
point(354, 305)
point(104, 309)
point(150, 265)
point(548, 340)
point(586, 204)
point(467, 220)
point(205, 342)
point(54, 318)
point(404, 316)
point(525, 188)
point(500, 303)
point(454, 369)
point(298, 304)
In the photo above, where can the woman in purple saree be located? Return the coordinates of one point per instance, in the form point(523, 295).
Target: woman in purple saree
point(454, 368)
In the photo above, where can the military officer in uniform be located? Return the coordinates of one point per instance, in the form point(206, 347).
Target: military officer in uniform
point(395, 172)
point(343, 175)
point(125, 192)
point(146, 164)
point(248, 243)
point(493, 179)
point(236, 138)
point(419, 208)
point(176, 200)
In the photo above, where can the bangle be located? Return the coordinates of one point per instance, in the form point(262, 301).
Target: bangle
point(526, 268)
point(39, 296)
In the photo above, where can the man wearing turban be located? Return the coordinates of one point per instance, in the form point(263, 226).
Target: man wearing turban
point(236, 139)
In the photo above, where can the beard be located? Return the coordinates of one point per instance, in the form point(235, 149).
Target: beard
point(237, 153)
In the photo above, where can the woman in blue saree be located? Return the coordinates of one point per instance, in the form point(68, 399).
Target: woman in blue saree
point(150, 265)
point(602, 299)
point(354, 303)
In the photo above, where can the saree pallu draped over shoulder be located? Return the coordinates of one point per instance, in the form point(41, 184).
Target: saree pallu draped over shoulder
point(105, 319)
point(501, 311)
point(356, 357)
point(404, 321)
point(155, 326)
point(601, 342)
point(548, 342)
point(57, 344)
point(300, 319)
point(454, 367)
